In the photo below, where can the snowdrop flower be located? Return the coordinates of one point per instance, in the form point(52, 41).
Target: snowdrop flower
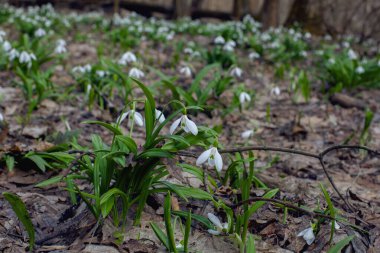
point(275, 91)
point(346, 44)
point(7, 46)
point(331, 61)
point(307, 35)
point(60, 48)
point(236, 72)
point(13, 54)
point(160, 116)
point(246, 134)
point(136, 73)
point(1, 117)
point(359, 70)
point(304, 53)
point(244, 97)
point(132, 115)
point(101, 73)
point(336, 225)
point(89, 87)
point(307, 235)
point(352, 55)
point(186, 71)
point(188, 50)
point(2, 35)
point(127, 57)
point(219, 40)
point(213, 157)
point(220, 227)
point(40, 32)
point(229, 46)
point(186, 124)
point(253, 56)
point(27, 58)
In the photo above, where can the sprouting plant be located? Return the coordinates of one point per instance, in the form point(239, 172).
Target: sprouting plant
point(365, 135)
point(168, 238)
point(300, 85)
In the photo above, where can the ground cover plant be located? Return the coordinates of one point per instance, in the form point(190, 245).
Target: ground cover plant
point(131, 134)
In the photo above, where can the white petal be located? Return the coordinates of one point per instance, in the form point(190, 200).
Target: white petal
point(218, 161)
point(122, 117)
point(215, 220)
point(246, 134)
point(203, 157)
point(191, 126)
point(302, 232)
point(160, 116)
point(211, 162)
point(174, 126)
point(213, 232)
point(225, 226)
point(309, 236)
point(139, 119)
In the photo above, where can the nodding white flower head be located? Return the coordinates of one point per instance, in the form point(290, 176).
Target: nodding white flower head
point(186, 124)
point(219, 40)
point(13, 54)
point(136, 73)
point(7, 46)
point(132, 115)
point(82, 69)
point(336, 225)
point(1, 117)
point(346, 44)
point(219, 226)
point(236, 72)
point(331, 61)
point(2, 35)
point(275, 91)
point(101, 73)
point(60, 48)
point(352, 55)
point(213, 157)
point(188, 50)
point(26, 58)
point(127, 57)
point(303, 53)
point(186, 71)
point(244, 97)
point(229, 46)
point(253, 56)
point(308, 235)
point(307, 35)
point(159, 116)
point(246, 134)
point(88, 90)
point(359, 70)
point(61, 42)
point(40, 32)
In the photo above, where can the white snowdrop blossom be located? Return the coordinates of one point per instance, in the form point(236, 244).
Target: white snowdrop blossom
point(82, 69)
point(219, 40)
point(159, 116)
point(236, 72)
point(127, 57)
point(303, 53)
point(186, 71)
point(275, 91)
point(253, 56)
point(352, 55)
point(186, 124)
point(336, 225)
point(229, 46)
point(136, 73)
point(246, 134)
point(13, 54)
point(1, 117)
point(2, 35)
point(7, 46)
point(308, 235)
point(220, 227)
point(213, 157)
point(132, 115)
point(188, 50)
point(359, 70)
point(244, 97)
point(346, 44)
point(26, 58)
point(60, 47)
point(88, 90)
point(101, 73)
point(40, 32)
point(331, 61)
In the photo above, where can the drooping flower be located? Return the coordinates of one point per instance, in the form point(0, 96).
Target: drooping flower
point(186, 124)
point(244, 97)
point(275, 91)
point(13, 54)
point(219, 40)
point(132, 115)
point(7, 46)
point(246, 134)
point(186, 71)
point(236, 72)
point(1, 117)
point(127, 57)
point(136, 73)
point(359, 70)
point(229, 46)
point(40, 32)
point(159, 116)
point(219, 226)
point(308, 235)
point(26, 58)
point(352, 55)
point(60, 47)
point(253, 56)
point(213, 157)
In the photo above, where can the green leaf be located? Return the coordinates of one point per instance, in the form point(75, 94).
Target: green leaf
point(38, 160)
point(253, 208)
point(337, 248)
point(168, 223)
point(127, 141)
point(154, 152)
point(160, 235)
point(50, 181)
point(250, 247)
point(22, 214)
point(206, 222)
point(110, 127)
point(331, 210)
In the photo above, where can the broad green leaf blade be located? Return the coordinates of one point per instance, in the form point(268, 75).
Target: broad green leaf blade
point(337, 248)
point(49, 181)
point(22, 214)
point(110, 127)
point(160, 235)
